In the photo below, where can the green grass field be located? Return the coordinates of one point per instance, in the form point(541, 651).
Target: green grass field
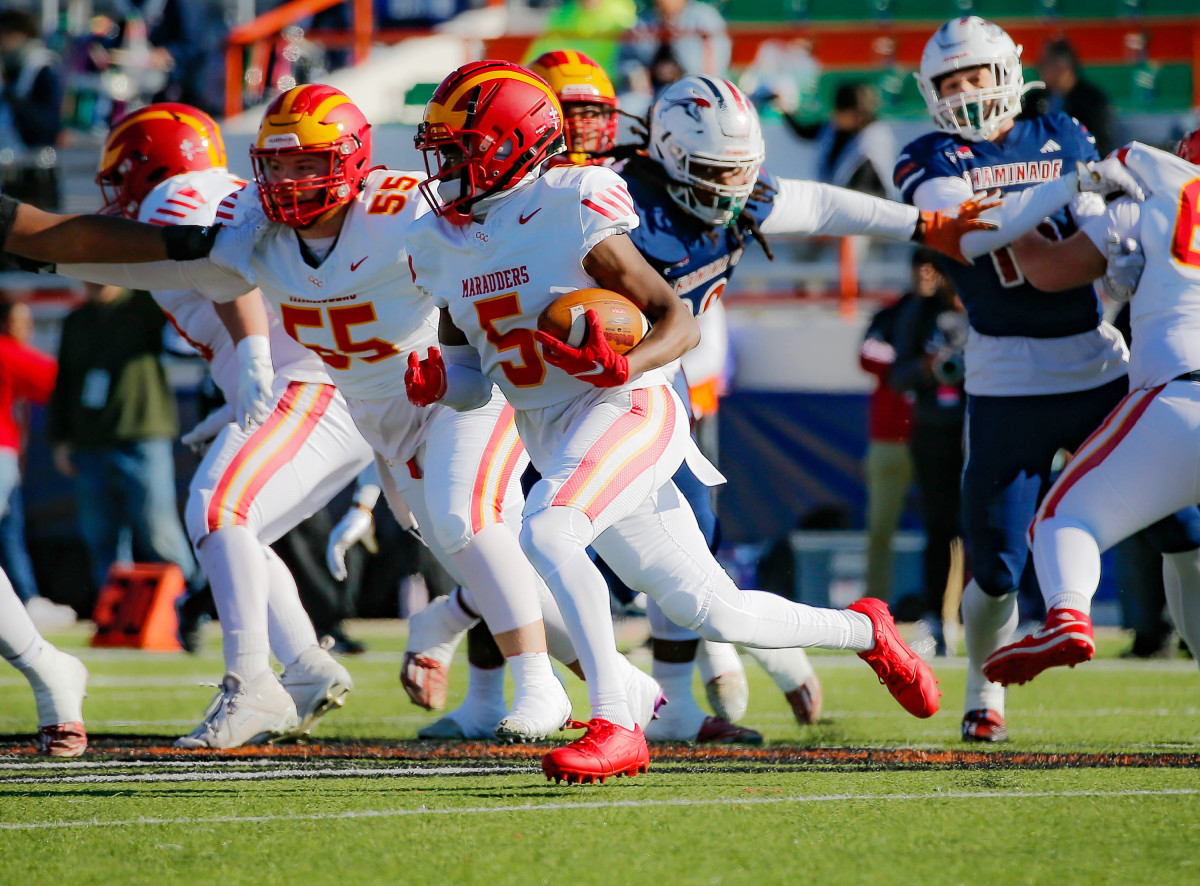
point(1098, 784)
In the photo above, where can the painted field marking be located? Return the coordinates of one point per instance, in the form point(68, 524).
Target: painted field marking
point(599, 804)
point(271, 774)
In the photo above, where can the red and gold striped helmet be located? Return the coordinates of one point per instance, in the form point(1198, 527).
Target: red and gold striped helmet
point(150, 145)
point(488, 124)
point(313, 119)
point(588, 100)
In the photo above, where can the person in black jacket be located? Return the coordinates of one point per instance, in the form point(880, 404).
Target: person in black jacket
point(930, 336)
point(1069, 91)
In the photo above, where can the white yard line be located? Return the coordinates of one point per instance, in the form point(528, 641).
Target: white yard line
point(326, 772)
point(599, 804)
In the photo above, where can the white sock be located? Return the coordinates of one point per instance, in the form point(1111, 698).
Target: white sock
point(529, 669)
point(247, 653)
point(20, 642)
point(1067, 560)
point(714, 659)
point(485, 689)
point(988, 623)
point(1181, 580)
point(235, 562)
point(555, 540)
point(290, 629)
point(789, 668)
point(558, 639)
point(675, 678)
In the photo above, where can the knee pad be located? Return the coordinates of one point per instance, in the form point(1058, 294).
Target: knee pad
point(551, 536)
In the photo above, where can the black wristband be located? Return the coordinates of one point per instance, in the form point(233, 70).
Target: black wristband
point(8, 217)
point(189, 242)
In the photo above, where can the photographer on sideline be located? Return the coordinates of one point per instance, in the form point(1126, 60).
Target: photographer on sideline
point(930, 336)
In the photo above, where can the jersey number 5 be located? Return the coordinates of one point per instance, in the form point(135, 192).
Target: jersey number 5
point(371, 350)
point(1185, 242)
point(530, 371)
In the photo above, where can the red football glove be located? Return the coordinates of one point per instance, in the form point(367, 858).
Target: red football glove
point(595, 362)
point(425, 380)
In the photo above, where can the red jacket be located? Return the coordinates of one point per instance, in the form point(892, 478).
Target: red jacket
point(25, 374)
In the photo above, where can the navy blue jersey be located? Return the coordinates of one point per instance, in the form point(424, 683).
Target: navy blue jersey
point(697, 259)
point(998, 299)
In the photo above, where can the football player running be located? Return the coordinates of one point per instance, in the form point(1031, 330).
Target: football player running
point(1042, 371)
point(165, 164)
point(605, 431)
point(1140, 465)
point(319, 231)
point(590, 121)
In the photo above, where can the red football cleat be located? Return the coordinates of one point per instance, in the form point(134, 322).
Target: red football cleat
point(806, 700)
point(715, 730)
point(425, 680)
point(605, 749)
point(984, 725)
point(63, 739)
point(901, 670)
point(1065, 639)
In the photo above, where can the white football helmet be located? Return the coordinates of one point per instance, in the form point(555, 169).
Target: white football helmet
point(706, 134)
point(971, 42)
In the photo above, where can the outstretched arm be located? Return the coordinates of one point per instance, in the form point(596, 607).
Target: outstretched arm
point(1055, 266)
point(31, 233)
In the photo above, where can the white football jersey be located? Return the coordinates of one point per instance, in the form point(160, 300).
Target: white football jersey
point(496, 276)
point(197, 198)
point(358, 309)
point(1165, 309)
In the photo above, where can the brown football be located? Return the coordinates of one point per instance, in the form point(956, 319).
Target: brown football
point(624, 323)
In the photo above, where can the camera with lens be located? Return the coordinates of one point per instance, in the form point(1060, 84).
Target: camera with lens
point(949, 367)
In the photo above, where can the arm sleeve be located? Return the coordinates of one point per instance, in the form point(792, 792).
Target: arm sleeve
point(211, 281)
point(1020, 213)
point(812, 208)
point(467, 387)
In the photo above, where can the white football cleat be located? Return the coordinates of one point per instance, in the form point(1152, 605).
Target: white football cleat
point(59, 683)
point(644, 694)
point(468, 722)
point(317, 683)
point(538, 711)
point(245, 713)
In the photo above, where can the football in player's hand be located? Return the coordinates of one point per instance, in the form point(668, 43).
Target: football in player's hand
point(623, 322)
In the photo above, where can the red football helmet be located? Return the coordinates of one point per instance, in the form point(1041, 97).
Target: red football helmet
point(1189, 147)
point(487, 125)
point(588, 100)
point(312, 120)
point(150, 145)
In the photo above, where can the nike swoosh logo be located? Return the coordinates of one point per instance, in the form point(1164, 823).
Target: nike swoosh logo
point(597, 368)
point(354, 265)
point(526, 218)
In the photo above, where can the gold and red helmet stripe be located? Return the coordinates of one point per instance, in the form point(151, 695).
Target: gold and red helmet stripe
point(574, 77)
point(205, 127)
point(450, 105)
point(294, 121)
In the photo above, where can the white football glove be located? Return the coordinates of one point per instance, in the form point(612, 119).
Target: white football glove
point(1126, 261)
point(348, 532)
point(255, 381)
point(207, 429)
point(1108, 178)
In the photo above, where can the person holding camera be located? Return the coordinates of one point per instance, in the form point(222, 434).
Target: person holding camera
point(931, 333)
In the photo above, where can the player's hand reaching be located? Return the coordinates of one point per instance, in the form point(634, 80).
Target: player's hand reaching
point(1126, 261)
point(206, 430)
point(1108, 178)
point(255, 381)
point(425, 380)
point(944, 230)
point(594, 361)
point(351, 529)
